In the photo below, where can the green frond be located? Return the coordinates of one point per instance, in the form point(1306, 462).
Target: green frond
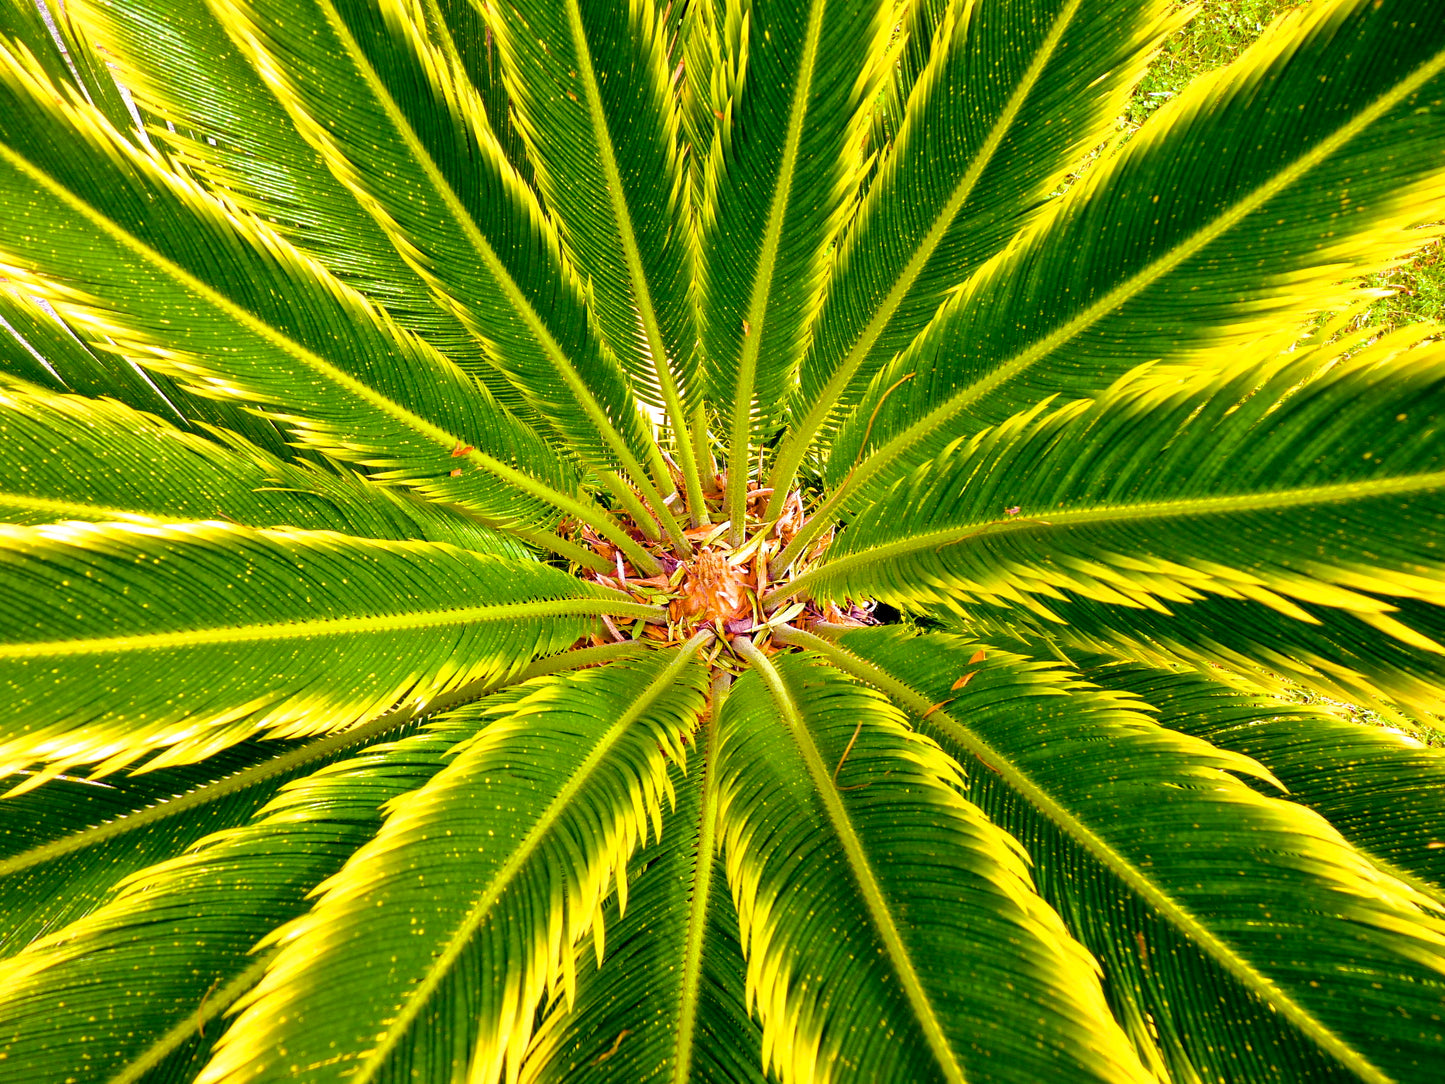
point(912, 45)
point(24, 338)
point(204, 634)
point(1382, 788)
point(411, 141)
point(1219, 517)
point(703, 87)
point(666, 1003)
point(352, 359)
point(221, 302)
point(463, 25)
point(178, 931)
point(869, 890)
point(1008, 102)
point(80, 65)
point(64, 845)
point(1245, 922)
point(46, 881)
point(64, 457)
point(1245, 205)
point(487, 877)
point(43, 350)
point(591, 87)
point(795, 89)
point(222, 127)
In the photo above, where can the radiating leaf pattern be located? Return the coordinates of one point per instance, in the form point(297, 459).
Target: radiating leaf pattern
point(451, 452)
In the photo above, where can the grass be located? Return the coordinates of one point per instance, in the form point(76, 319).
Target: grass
point(1220, 31)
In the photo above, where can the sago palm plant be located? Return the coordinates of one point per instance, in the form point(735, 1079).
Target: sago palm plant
point(615, 541)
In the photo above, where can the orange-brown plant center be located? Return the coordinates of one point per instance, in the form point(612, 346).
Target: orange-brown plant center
point(724, 583)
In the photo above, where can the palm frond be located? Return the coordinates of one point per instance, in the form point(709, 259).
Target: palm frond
point(1219, 200)
point(68, 842)
point(1382, 788)
point(184, 928)
point(793, 86)
point(204, 634)
point(490, 875)
point(217, 299)
point(695, 46)
point(66, 457)
point(43, 350)
point(998, 117)
point(821, 774)
point(222, 127)
point(616, 121)
point(1146, 515)
point(414, 146)
point(667, 1000)
point(1135, 829)
point(69, 457)
point(45, 884)
point(320, 321)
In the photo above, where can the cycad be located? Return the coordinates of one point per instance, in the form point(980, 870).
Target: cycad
point(453, 455)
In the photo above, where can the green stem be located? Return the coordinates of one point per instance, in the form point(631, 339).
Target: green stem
point(578, 555)
point(812, 527)
point(630, 501)
point(583, 511)
point(687, 460)
point(698, 898)
point(669, 521)
point(702, 455)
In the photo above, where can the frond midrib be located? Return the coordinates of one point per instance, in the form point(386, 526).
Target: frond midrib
point(632, 253)
point(1143, 512)
point(63, 509)
point(698, 901)
point(739, 440)
point(194, 1023)
point(334, 626)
